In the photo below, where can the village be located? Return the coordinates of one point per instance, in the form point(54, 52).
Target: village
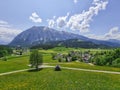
point(73, 56)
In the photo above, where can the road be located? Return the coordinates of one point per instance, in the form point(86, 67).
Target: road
point(79, 69)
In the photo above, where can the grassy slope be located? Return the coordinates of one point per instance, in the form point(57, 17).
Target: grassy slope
point(48, 79)
point(14, 63)
point(87, 66)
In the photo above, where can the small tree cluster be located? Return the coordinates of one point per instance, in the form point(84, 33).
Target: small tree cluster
point(111, 58)
point(4, 51)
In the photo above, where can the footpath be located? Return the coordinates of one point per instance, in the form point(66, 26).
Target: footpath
point(46, 66)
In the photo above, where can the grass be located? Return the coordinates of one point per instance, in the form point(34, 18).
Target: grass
point(48, 79)
point(47, 58)
point(87, 66)
point(21, 62)
point(13, 64)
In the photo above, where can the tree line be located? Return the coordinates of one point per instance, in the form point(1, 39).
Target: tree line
point(109, 58)
point(5, 50)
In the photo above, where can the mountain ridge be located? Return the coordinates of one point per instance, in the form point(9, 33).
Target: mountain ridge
point(41, 35)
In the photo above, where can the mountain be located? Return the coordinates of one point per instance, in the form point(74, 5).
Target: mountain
point(42, 35)
point(114, 41)
point(105, 42)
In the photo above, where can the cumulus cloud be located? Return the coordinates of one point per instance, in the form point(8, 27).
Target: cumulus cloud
point(114, 33)
point(82, 21)
point(35, 18)
point(51, 22)
point(7, 33)
point(62, 21)
point(79, 22)
point(58, 22)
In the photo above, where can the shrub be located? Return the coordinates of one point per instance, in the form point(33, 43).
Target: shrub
point(116, 62)
point(99, 60)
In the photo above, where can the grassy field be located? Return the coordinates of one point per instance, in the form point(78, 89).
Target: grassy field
point(87, 66)
point(22, 62)
point(14, 63)
point(48, 79)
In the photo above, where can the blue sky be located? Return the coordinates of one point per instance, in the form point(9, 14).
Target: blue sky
point(97, 19)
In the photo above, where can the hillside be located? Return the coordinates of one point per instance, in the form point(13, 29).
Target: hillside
point(74, 43)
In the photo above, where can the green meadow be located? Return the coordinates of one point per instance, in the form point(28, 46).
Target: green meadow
point(48, 79)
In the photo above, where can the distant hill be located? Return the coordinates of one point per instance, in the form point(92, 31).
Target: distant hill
point(74, 43)
point(42, 35)
point(114, 41)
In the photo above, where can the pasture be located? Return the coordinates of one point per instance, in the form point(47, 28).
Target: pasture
point(48, 79)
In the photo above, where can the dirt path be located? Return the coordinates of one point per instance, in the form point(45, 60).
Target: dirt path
point(1, 74)
point(89, 70)
point(46, 66)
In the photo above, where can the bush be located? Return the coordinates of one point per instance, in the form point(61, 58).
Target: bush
point(4, 59)
point(116, 62)
point(99, 60)
point(74, 58)
point(59, 59)
point(3, 53)
point(109, 59)
point(5, 50)
point(54, 56)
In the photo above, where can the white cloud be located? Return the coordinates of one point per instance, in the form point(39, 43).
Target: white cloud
point(51, 22)
point(79, 22)
point(75, 1)
point(82, 21)
point(59, 22)
point(62, 21)
point(114, 33)
point(35, 18)
point(98, 37)
point(7, 33)
point(4, 24)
